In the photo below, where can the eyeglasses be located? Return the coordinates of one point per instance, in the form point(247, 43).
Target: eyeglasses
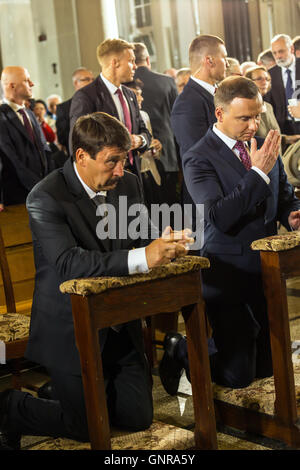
point(87, 79)
point(261, 79)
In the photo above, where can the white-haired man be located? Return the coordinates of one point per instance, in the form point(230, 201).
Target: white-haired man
point(285, 75)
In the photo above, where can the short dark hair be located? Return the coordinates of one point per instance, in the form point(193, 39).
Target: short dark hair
point(235, 87)
point(141, 52)
point(134, 84)
point(41, 102)
point(95, 131)
point(296, 43)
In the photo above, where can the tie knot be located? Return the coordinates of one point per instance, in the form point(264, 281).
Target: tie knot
point(21, 111)
point(288, 71)
point(239, 145)
point(118, 92)
point(99, 199)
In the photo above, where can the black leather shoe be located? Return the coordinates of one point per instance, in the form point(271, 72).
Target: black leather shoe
point(8, 440)
point(46, 391)
point(170, 369)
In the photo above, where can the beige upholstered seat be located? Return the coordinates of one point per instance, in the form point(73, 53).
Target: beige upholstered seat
point(96, 285)
point(283, 242)
point(13, 327)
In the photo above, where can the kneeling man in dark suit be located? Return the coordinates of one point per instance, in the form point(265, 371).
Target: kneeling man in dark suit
point(69, 243)
point(242, 185)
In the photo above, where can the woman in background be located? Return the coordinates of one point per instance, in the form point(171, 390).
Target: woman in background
point(40, 110)
point(268, 121)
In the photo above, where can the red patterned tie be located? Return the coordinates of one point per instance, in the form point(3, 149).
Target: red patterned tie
point(127, 119)
point(27, 125)
point(244, 155)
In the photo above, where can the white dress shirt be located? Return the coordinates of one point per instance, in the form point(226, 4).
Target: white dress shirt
point(112, 90)
point(231, 143)
point(15, 107)
point(137, 262)
point(292, 68)
point(207, 86)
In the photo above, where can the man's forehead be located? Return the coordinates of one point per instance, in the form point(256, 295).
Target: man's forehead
point(279, 44)
point(112, 151)
point(246, 106)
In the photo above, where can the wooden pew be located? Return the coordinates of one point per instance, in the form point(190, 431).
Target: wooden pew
point(19, 251)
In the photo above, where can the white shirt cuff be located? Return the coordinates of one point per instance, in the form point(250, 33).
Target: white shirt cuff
point(137, 262)
point(144, 141)
point(262, 174)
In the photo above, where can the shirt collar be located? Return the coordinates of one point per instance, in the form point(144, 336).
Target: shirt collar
point(227, 140)
point(207, 86)
point(13, 105)
point(89, 191)
point(291, 67)
point(111, 87)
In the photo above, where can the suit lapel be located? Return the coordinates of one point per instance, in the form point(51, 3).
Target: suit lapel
point(15, 121)
point(108, 105)
point(84, 204)
point(225, 153)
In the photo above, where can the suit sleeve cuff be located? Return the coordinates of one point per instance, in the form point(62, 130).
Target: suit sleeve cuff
point(262, 174)
point(137, 262)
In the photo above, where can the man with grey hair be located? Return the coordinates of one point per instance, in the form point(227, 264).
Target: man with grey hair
point(284, 75)
point(266, 59)
point(80, 78)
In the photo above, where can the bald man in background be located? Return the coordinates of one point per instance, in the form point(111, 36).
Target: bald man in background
point(24, 153)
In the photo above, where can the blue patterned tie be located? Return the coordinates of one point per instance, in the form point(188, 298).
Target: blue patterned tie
point(289, 86)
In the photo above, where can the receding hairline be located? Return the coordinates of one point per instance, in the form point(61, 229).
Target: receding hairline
point(80, 69)
point(287, 39)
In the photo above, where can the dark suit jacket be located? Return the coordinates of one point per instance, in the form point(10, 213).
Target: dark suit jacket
point(192, 114)
point(96, 97)
point(239, 207)
point(159, 93)
point(63, 223)
point(22, 164)
point(277, 98)
point(63, 123)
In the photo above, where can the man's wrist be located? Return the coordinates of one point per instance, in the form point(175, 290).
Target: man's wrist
point(143, 141)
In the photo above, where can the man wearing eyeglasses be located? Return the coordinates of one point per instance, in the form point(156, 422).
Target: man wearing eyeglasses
point(81, 77)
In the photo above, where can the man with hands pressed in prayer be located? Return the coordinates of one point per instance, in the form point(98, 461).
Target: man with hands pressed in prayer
point(244, 191)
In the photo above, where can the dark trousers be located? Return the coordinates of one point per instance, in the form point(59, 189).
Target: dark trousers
point(241, 336)
point(128, 390)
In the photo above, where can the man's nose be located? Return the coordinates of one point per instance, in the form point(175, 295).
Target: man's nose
point(253, 123)
point(119, 169)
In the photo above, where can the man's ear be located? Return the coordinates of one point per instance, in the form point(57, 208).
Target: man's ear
point(209, 61)
point(81, 157)
point(219, 112)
